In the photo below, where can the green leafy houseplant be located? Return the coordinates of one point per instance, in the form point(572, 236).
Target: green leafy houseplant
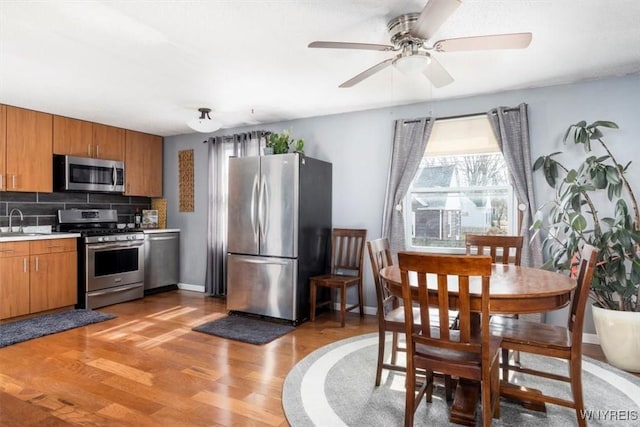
point(282, 143)
point(575, 217)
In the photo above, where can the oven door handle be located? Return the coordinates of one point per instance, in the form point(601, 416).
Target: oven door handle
point(115, 245)
point(115, 290)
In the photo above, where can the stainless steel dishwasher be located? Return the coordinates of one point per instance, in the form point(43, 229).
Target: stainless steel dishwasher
point(161, 259)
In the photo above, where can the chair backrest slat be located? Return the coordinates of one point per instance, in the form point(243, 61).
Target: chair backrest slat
point(586, 268)
point(502, 249)
point(380, 257)
point(347, 250)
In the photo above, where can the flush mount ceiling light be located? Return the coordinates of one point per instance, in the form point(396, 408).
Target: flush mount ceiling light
point(204, 123)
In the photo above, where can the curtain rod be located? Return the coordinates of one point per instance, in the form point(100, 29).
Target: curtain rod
point(460, 116)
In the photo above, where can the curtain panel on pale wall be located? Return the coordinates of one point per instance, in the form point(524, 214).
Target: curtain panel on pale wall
point(511, 127)
point(220, 149)
point(409, 142)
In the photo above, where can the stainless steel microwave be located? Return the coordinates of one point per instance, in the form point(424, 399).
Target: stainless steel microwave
point(71, 173)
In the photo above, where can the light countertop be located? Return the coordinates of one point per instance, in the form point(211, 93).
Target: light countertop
point(44, 236)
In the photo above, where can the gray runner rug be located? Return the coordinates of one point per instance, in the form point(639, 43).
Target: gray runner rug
point(246, 329)
point(35, 327)
point(335, 386)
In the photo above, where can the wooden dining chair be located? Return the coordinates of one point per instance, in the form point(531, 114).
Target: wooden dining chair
point(391, 315)
point(470, 352)
point(551, 341)
point(347, 256)
point(503, 250)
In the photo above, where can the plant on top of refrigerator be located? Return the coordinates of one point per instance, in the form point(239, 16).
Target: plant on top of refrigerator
point(282, 142)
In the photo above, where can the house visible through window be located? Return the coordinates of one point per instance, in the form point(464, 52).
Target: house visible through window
point(462, 186)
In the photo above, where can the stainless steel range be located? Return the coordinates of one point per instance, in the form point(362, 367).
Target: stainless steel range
point(110, 259)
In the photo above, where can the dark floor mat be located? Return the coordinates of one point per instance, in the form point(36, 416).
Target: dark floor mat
point(246, 329)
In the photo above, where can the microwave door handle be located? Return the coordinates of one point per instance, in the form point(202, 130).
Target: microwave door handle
point(114, 176)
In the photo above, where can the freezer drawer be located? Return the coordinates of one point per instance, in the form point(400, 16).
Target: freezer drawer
point(262, 285)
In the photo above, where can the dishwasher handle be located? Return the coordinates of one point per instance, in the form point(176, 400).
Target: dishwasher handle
point(157, 238)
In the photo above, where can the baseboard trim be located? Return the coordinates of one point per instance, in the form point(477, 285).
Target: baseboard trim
point(590, 339)
point(189, 287)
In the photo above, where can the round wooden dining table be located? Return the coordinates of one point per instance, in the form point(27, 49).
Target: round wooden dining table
point(513, 290)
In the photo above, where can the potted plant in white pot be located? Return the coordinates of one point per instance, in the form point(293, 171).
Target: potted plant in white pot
point(595, 204)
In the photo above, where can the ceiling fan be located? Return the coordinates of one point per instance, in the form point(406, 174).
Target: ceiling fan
point(409, 34)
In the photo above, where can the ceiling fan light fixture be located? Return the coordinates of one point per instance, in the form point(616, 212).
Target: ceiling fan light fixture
point(412, 64)
point(204, 123)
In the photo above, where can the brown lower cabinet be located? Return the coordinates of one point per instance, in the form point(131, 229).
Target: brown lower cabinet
point(37, 276)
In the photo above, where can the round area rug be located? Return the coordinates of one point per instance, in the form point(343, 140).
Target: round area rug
point(335, 386)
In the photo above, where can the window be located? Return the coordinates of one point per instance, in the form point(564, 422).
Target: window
point(462, 186)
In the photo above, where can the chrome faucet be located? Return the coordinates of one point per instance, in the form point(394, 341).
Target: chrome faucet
point(11, 217)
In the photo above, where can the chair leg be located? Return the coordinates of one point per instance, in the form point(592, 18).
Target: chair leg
point(394, 348)
point(361, 297)
point(485, 391)
point(381, 339)
point(575, 373)
point(410, 397)
point(448, 388)
point(343, 304)
point(313, 301)
point(428, 394)
point(495, 390)
point(504, 358)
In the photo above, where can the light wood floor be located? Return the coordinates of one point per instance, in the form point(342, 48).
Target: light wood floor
point(147, 367)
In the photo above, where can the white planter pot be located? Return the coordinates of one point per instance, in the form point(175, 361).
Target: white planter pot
point(619, 335)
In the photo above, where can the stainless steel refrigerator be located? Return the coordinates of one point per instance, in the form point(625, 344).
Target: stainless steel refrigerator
point(279, 232)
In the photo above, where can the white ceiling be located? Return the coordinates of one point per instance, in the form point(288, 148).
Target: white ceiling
point(149, 65)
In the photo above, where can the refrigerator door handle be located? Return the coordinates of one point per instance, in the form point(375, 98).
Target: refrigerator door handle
point(262, 207)
point(265, 215)
point(264, 261)
point(254, 189)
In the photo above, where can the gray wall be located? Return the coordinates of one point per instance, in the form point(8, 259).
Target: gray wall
point(359, 146)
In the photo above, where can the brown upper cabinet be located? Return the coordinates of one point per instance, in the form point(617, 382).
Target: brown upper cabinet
point(143, 164)
point(86, 139)
point(28, 151)
point(3, 147)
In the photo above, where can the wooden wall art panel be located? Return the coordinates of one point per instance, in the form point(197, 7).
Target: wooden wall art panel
point(185, 181)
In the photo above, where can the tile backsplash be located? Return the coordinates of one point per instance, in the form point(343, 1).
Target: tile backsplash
point(42, 208)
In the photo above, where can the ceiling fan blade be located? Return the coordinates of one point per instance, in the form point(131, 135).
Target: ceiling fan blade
point(436, 73)
point(367, 73)
point(433, 15)
point(347, 45)
point(496, 41)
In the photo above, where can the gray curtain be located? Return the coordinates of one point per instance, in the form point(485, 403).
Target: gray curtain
point(511, 127)
point(220, 149)
point(409, 142)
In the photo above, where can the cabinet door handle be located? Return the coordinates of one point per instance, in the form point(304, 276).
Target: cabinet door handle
point(88, 150)
point(24, 265)
point(13, 181)
point(1, 175)
point(37, 264)
point(97, 150)
point(55, 246)
point(6, 250)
